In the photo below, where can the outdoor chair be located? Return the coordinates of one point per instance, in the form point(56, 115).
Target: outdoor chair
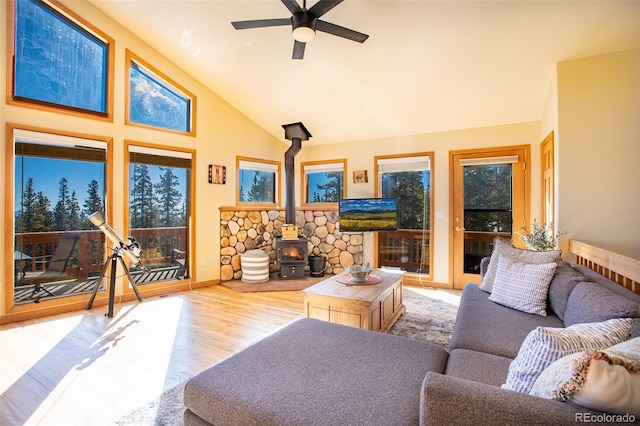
point(179, 257)
point(55, 264)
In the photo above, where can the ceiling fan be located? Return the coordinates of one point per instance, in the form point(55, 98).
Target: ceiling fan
point(304, 24)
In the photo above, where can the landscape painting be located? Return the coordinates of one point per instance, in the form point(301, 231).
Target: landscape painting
point(368, 214)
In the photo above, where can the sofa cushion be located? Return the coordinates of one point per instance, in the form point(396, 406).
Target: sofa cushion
point(478, 366)
point(606, 380)
point(591, 302)
point(522, 286)
point(484, 326)
point(545, 345)
point(311, 372)
point(562, 284)
point(502, 248)
point(607, 283)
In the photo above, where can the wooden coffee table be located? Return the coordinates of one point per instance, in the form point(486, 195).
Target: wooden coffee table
point(371, 307)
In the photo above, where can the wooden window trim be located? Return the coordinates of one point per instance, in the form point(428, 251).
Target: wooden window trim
point(304, 196)
point(278, 196)
point(132, 57)
point(45, 106)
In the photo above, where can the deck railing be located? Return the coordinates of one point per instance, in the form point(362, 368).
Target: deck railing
point(409, 249)
point(156, 246)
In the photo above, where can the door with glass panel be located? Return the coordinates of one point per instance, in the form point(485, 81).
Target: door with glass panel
point(489, 200)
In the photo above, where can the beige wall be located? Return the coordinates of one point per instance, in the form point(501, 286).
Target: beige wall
point(598, 150)
point(360, 156)
point(222, 133)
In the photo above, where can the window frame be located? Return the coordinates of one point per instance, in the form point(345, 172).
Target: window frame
point(75, 21)
point(317, 166)
point(278, 184)
point(46, 307)
point(154, 73)
point(191, 209)
point(411, 277)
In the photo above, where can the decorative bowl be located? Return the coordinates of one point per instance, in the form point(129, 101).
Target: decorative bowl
point(359, 273)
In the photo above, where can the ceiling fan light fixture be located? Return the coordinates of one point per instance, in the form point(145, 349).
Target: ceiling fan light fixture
point(304, 34)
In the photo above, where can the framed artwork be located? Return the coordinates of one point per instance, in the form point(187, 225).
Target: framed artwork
point(217, 174)
point(360, 176)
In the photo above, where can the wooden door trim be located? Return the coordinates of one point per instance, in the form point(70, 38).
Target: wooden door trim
point(547, 189)
point(524, 150)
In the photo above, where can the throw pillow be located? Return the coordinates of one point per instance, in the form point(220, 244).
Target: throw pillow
point(544, 345)
point(522, 286)
point(502, 248)
point(591, 302)
point(564, 281)
point(607, 380)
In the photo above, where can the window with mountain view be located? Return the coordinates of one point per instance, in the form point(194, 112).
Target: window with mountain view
point(59, 61)
point(323, 181)
point(257, 181)
point(159, 210)
point(408, 180)
point(156, 101)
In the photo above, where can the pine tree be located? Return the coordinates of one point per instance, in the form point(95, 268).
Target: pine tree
point(169, 198)
point(25, 221)
point(61, 217)
point(73, 213)
point(142, 209)
point(408, 189)
point(333, 188)
point(42, 215)
point(93, 203)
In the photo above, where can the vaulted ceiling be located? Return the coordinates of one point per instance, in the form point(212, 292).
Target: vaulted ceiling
point(427, 66)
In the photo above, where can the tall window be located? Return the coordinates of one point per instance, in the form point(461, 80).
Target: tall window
point(58, 182)
point(409, 180)
point(159, 211)
point(154, 100)
point(257, 181)
point(323, 181)
point(59, 59)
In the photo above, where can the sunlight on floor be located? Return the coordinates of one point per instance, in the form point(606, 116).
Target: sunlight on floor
point(121, 362)
point(449, 296)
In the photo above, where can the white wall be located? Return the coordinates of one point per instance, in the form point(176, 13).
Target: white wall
point(360, 156)
point(598, 151)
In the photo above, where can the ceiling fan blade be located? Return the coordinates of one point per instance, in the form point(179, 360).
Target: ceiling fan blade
point(261, 23)
point(339, 31)
point(292, 5)
point(298, 50)
point(323, 6)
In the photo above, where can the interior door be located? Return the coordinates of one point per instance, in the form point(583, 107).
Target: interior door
point(489, 198)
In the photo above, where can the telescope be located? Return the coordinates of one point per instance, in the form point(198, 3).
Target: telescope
point(130, 249)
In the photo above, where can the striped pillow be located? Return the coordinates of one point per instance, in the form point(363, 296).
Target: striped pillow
point(523, 286)
point(543, 346)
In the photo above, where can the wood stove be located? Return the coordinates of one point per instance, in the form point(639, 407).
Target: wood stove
point(291, 257)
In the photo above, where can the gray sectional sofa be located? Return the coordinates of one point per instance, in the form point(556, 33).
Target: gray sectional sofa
point(317, 373)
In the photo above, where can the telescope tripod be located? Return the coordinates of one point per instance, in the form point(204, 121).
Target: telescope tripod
point(113, 261)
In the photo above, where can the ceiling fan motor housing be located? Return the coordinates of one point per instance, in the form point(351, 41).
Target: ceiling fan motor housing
point(304, 26)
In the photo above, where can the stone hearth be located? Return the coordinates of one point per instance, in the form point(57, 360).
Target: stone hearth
point(242, 230)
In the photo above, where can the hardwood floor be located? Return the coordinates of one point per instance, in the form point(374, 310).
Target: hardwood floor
point(83, 368)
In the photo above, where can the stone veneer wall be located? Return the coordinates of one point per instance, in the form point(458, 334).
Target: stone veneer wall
point(242, 230)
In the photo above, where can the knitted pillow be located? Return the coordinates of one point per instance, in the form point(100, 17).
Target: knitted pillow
point(544, 345)
point(606, 380)
point(502, 248)
point(522, 286)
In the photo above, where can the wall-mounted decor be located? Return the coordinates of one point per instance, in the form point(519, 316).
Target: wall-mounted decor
point(360, 176)
point(217, 174)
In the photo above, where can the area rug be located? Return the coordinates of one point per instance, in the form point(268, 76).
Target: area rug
point(427, 319)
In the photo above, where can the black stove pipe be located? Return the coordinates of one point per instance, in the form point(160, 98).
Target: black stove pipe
point(296, 133)
point(289, 180)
